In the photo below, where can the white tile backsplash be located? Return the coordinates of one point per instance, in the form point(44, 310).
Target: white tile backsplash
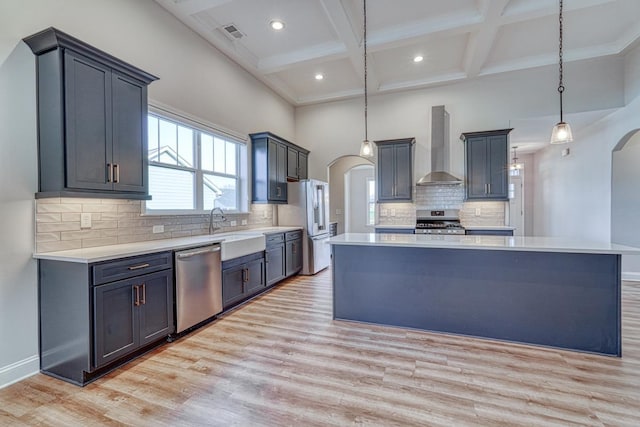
point(492, 213)
point(120, 221)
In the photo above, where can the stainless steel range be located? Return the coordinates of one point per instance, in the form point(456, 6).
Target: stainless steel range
point(445, 221)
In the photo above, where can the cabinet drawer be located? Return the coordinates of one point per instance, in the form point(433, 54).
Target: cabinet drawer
point(293, 235)
point(110, 271)
point(274, 239)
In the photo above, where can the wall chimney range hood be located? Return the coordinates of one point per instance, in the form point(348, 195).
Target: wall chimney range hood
point(439, 174)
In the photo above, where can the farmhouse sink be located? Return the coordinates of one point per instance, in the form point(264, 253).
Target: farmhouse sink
point(236, 245)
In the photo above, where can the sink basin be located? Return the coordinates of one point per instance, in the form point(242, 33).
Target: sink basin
point(236, 245)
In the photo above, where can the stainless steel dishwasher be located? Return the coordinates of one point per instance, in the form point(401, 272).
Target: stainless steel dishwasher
point(198, 285)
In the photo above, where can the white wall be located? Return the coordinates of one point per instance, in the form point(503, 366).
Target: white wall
point(336, 178)
point(625, 200)
point(194, 78)
point(355, 182)
point(334, 129)
point(632, 74)
point(573, 194)
point(18, 175)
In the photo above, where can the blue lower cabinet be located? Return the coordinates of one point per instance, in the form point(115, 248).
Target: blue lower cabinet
point(242, 278)
point(395, 230)
point(497, 232)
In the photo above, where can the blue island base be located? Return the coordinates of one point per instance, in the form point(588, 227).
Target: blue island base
point(564, 300)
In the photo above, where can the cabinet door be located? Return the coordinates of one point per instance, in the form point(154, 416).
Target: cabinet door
point(275, 264)
point(87, 94)
point(282, 173)
point(254, 276)
point(497, 171)
point(129, 134)
point(386, 173)
point(115, 321)
point(477, 168)
point(302, 166)
point(156, 305)
point(403, 172)
point(293, 257)
point(277, 171)
point(292, 163)
point(233, 285)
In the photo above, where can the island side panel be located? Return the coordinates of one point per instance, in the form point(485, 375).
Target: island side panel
point(565, 300)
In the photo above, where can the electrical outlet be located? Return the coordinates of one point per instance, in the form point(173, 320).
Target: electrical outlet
point(85, 220)
point(158, 229)
point(234, 223)
point(393, 212)
point(244, 222)
point(478, 211)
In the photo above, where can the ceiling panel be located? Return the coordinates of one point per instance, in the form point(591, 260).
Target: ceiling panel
point(305, 19)
point(442, 56)
point(460, 39)
point(340, 78)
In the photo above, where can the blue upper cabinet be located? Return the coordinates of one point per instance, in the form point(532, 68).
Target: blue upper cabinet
point(92, 120)
point(395, 170)
point(487, 164)
point(274, 162)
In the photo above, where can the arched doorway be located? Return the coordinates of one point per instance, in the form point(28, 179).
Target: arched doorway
point(625, 199)
point(336, 171)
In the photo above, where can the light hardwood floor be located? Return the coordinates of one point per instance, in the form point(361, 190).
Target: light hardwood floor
point(282, 360)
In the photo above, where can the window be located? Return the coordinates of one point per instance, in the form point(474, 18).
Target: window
point(193, 169)
point(371, 202)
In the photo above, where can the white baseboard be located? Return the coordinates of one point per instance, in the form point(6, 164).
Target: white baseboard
point(18, 371)
point(631, 276)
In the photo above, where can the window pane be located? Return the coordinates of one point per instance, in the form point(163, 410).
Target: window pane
point(185, 146)
point(152, 138)
point(170, 188)
point(206, 144)
point(221, 192)
point(218, 155)
point(168, 144)
point(232, 149)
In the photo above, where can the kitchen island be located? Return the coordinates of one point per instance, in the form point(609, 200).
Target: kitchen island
point(535, 290)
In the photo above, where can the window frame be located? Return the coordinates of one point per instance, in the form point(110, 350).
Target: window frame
point(369, 181)
point(199, 128)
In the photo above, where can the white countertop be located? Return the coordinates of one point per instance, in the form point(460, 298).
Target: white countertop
point(488, 227)
point(396, 226)
point(104, 253)
point(532, 244)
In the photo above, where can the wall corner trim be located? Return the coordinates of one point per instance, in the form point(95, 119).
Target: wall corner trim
point(19, 370)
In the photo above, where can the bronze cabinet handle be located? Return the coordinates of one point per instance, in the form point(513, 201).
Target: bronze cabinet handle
point(248, 275)
point(136, 301)
point(116, 169)
point(138, 267)
point(109, 173)
point(144, 294)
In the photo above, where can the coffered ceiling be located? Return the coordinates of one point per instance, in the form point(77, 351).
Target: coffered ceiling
point(458, 39)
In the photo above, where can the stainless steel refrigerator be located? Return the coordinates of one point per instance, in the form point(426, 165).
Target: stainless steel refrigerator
point(308, 207)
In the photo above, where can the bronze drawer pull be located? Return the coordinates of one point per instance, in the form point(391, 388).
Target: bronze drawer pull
point(138, 267)
point(136, 301)
point(144, 294)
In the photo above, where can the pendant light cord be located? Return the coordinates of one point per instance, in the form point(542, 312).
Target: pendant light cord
point(366, 133)
point(560, 85)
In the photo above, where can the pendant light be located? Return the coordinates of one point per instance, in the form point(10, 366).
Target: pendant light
point(561, 131)
point(366, 148)
point(514, 161)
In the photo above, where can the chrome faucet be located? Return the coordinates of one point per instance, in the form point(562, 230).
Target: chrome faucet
point(216, 216)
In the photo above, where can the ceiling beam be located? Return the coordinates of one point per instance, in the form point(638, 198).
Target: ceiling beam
point(482, 40)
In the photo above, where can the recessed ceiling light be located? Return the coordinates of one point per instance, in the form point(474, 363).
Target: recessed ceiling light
point(277, 25)
point(319, 76)
point(418, 58)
